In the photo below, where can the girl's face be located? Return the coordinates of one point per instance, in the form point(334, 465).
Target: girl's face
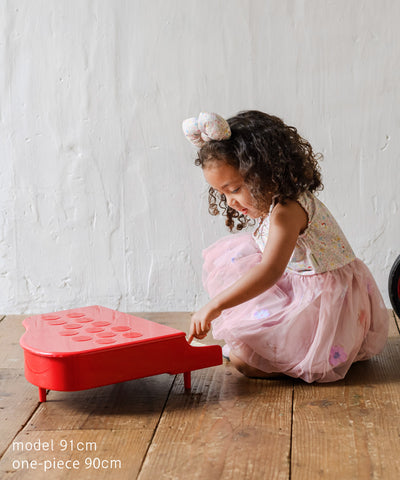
point(228, 181)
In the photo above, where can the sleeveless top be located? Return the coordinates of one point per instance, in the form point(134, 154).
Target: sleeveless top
point(321, 247)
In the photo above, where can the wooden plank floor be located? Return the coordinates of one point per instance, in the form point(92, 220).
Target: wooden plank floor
point(226, 427)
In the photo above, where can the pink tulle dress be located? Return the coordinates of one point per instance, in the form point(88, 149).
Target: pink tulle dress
point(323, 314)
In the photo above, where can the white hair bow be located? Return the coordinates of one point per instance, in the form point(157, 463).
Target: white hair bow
point(208, 126)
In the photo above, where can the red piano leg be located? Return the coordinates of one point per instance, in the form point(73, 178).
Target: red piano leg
point(187, 380)
point(42, 394)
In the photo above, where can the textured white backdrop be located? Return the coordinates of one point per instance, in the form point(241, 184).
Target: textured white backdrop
point(100, 202)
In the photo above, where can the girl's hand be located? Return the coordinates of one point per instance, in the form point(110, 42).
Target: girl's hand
point(200, 323)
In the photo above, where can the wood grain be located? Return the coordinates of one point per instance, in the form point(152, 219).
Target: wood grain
point(350, 429)
point(18, 398)
point(18, 402)
point(397, 322)
point(228, 427)
point(136, 404)
point(393, 324)
point(119, 419)
point(109, 454)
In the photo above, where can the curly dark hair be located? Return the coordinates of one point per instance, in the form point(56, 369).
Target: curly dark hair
point(271, 157)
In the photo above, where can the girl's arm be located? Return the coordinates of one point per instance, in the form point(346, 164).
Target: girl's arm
point(286, 223)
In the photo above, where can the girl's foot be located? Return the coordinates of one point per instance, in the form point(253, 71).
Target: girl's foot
point(250, 371)
point(226, 349)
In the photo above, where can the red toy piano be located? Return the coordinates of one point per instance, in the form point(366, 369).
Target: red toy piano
point(95, 346)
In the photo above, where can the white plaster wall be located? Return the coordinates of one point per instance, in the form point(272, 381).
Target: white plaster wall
point(100, 202)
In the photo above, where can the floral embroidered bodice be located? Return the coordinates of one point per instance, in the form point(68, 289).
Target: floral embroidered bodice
point(321, 247)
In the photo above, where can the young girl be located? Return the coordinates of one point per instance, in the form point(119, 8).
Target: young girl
point(291, 298)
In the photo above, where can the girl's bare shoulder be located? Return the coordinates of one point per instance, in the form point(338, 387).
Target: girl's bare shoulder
point(289, 213)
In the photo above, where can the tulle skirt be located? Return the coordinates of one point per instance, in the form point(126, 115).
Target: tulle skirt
point(311, 327)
